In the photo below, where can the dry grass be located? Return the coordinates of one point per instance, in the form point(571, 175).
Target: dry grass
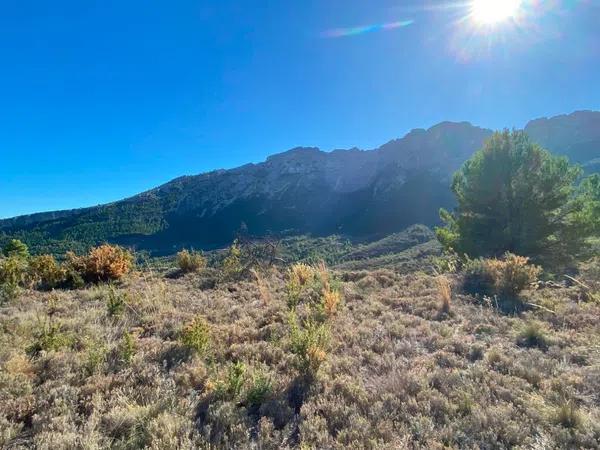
point(383, 372)
point(445, 293)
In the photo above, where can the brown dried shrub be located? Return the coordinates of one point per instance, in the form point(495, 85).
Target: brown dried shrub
point(104, 263)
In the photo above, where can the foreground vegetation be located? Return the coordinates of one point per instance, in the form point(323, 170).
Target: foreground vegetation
point(303, 356)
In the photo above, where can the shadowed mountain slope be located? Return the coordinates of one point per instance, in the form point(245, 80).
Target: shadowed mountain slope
point(304, 190)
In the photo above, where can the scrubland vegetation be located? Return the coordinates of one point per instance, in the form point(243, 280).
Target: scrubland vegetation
point(305, 356)
point(390, 344)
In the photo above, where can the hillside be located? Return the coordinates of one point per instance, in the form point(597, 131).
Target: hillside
point(302, 191)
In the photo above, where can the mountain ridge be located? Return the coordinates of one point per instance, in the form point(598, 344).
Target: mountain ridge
point(301, 190)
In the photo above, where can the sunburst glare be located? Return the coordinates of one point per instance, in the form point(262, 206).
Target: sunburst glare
point(489, 12)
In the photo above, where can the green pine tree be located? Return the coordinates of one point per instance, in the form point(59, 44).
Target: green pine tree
point(514, 196)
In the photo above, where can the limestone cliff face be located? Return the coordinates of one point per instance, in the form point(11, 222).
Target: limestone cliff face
point(575, 135)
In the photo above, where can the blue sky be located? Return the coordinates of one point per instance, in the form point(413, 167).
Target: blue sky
point(104, 99)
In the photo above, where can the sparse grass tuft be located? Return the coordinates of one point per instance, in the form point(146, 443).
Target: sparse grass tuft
point(445, 293)
point(533, 334)
point(568, 415)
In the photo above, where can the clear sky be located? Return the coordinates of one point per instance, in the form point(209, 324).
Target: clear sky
point(103, 99)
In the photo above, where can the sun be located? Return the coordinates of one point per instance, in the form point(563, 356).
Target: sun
point(489, 12)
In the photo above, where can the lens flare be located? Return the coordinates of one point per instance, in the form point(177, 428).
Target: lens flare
point(354, 31)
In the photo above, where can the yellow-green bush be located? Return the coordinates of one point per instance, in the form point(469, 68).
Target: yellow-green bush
point(505, 277)
point(232, 264)
point(195, 335)
point(190, 261)
point(45, 272)
point(309, 342)
point(13, 271)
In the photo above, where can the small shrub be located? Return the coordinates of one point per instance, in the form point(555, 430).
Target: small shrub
point(330, 295)
point(232, 264)
point(309, 343)
point(505, 278)
point(331, 301)
point(104, 263)
point(449, 262)
point(190, 261)
point(314, 286)
point(96, 356)
point(568, 415)
point(235, 379)
point(50, 337)
point(8, 292)
point(515, 274)
point(533, 335)
point(478, 279)
point(72, 278)
point(13, 271)
point(15, 248)
point(259, 391)
point(126, 349)
point(45, 272)
point(196, 335)
point(116, 302)
point(301, 273)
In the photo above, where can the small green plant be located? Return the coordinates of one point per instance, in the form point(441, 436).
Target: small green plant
point(232, 264)
point(95, 357)
point(259, 390)
point(449, 262)
point(230, 385)
point(309, 343)
point(8, 292)
point(196, 335)
point(190, 261)
point(126, 349)
point(235, 378)
point(116, 302)
point(50, 337)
